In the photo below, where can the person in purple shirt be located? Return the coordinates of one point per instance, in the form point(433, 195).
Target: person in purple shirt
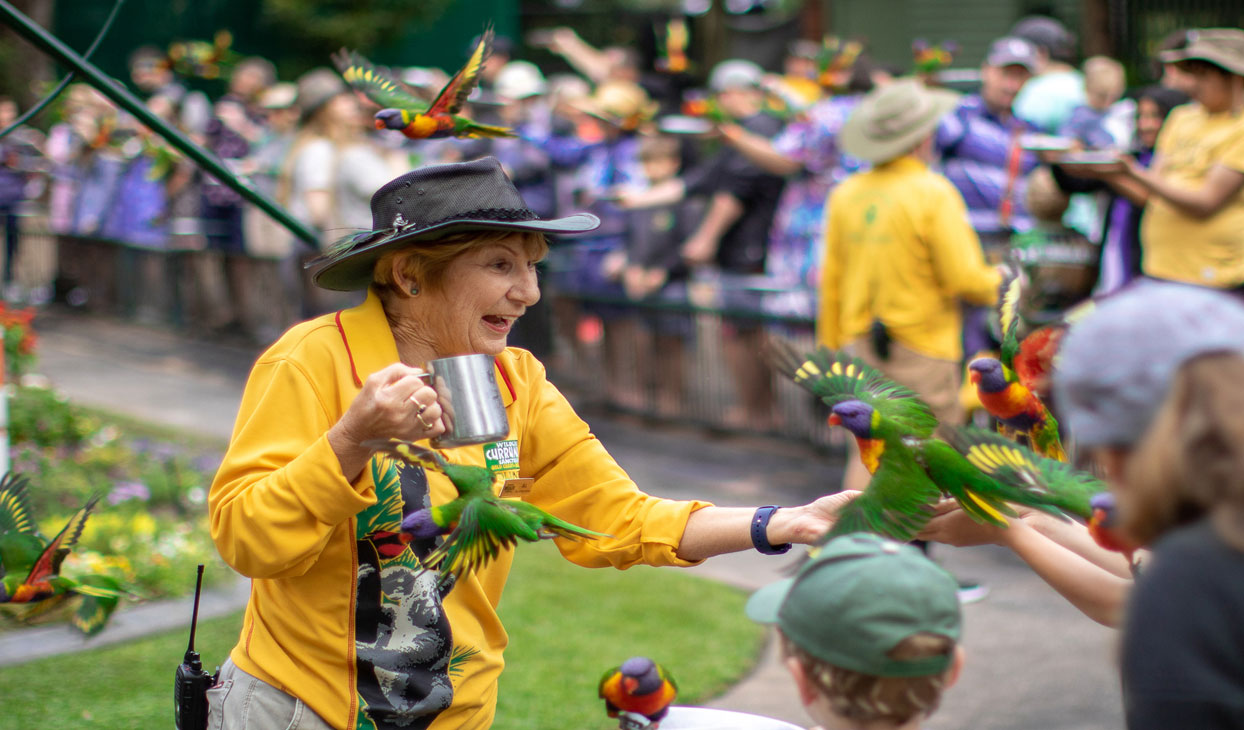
point(979, 144)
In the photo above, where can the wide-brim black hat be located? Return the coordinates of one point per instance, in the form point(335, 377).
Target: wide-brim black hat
point(430, 203)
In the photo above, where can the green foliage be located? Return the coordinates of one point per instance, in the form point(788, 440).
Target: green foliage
point(42, 418)
point(567, 625)
point(324, 26)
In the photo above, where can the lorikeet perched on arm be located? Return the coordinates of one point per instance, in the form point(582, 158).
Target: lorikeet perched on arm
point(414, 118)
point(911, 469)
point(479, 523)
point(30, 567)
point(640, 686)
point(1005, 396)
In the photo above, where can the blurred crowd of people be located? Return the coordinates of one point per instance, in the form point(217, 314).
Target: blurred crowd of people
point(710, 193)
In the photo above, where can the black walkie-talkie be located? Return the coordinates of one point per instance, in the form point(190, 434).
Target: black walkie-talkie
point(191, 685)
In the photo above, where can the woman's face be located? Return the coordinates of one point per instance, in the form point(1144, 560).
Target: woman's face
point(483, 292)
point(1211, 87)
point(1148, 122)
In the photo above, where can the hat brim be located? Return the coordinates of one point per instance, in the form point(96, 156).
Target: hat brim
point(352, 270)
point(763, 605)
point(855, 141)
point(1191, 53)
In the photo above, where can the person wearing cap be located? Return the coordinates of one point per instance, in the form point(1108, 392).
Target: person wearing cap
point(732, 237)
point(1057, 87)
point(899, 255)
point(346, 626)
point(806, 152)
point(1151, 384)
point(331, 170)
point(869, 630)
point(978, 143)
point(1193, 227)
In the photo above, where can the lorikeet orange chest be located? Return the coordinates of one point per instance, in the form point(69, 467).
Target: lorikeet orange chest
point(870, 453)
point(639, 685)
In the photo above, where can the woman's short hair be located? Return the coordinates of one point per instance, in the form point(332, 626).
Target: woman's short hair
point(1190, 462)
point(431, 258)
point(867, 698)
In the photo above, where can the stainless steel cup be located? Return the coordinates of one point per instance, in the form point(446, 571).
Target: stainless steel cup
point(471, 406)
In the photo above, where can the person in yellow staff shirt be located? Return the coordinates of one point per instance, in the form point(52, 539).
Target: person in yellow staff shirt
point(1193, 226)
point(900, 254)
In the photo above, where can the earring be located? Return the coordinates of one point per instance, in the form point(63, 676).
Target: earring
point(414, 291)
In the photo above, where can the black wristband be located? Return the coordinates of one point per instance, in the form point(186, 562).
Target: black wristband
point(760, 526)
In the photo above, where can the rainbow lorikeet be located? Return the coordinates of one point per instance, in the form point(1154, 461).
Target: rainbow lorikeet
point(417, 119)
point(639, 686)
point(478, 524)
point(1103, 529)
point(911, 469)
point(1005, 396)
point(30, 566)
point(672, 47)
point(836, 61)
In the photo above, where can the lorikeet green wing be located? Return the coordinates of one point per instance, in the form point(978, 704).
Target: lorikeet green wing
point(484, 529)
point(982, 497)
point(100, 595)
point(455, 93)
point(377, 86)
point(897, 502)
point(835, 378)
point(15, 505)
point(1047, 484)
point(1008, 319)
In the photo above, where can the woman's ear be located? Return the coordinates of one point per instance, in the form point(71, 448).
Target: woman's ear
point(402, 281)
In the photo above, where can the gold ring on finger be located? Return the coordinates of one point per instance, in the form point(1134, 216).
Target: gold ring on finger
point(426, 425)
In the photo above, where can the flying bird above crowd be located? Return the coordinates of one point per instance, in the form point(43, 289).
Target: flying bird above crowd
point(417, 119)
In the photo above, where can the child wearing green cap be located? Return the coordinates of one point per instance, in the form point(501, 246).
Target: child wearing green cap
point(869, 631)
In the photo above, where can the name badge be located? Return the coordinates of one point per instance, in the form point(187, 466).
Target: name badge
point(501, 458)
point(516, 488)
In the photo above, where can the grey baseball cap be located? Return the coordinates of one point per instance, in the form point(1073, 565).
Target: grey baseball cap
point(1013, 51)
point(1114, 367)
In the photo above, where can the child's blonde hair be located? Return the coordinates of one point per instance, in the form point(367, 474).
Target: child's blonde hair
point(867, 698)
point(1104, 76)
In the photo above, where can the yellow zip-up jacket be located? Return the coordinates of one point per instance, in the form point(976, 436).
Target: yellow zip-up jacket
point(340, 613)
point(899, 248)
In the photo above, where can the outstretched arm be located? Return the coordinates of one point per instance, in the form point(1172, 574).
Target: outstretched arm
point(1221, 186)
point(759, 150)
point(1098, 592)
point(718, 530)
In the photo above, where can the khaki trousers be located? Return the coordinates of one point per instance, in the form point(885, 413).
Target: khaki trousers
point(240, 701)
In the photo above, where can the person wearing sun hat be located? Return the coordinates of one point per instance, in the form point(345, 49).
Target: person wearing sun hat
point(346, 620)
point(899, 254)
point(1193, 227)
point(869, 630)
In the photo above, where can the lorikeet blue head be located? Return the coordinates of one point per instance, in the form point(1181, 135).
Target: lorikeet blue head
point(390, 119)
point(986, 373)
point(640, 676)
point(421, 525)
point(855, 416)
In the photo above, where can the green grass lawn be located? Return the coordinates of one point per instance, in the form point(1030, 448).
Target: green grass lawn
point(567, 626)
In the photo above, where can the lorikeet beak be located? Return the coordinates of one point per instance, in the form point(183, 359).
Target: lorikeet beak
point(974, 377)
point(835, 419)
point(630, 684)
point(380, 124)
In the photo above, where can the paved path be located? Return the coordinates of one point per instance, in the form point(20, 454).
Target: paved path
point(1033, 661)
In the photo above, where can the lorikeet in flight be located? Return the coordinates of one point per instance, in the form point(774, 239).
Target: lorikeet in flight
point(1005, 396)
point(911, 469)
point(30, 567)
point(640, 686)
point(478, 524)
point(403, 111)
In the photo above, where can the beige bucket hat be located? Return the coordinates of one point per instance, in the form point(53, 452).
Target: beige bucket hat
point(1223, 47)
point(893, 119)
point(622, 103)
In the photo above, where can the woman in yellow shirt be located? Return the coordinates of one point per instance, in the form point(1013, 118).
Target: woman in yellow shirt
point(1193, 226)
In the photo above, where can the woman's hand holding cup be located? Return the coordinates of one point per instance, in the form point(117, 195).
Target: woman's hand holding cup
point(395, 402)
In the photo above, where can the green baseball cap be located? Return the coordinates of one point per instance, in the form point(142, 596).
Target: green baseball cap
point(857, 599)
